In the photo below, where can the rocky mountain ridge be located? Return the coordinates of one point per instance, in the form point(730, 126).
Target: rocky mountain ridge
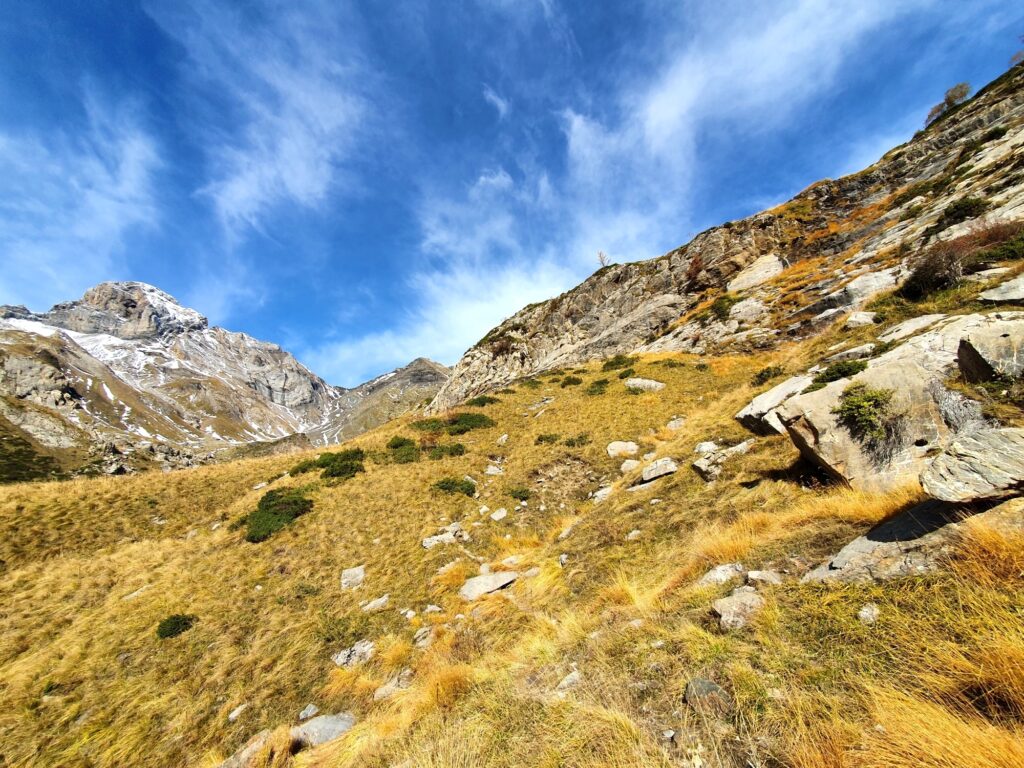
point(781, 274)
point(127, 376)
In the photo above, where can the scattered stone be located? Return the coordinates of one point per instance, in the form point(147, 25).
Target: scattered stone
point(659, 468)
point(236, 713)
point(635, 534)
point(708, 446)
point(736, 610)
point(707, 697)
point(322, 729)
point(709, 466)
point(860, 319)
point(721, 574)
point(649, 456)
point(358, 654)
point(764, 577)
point(563, 559)
point(397, 683)
point(377, 605)
point(986, 463)
point(503, 439)
point(570, 681)
point(478, 586)
point(677, 423)
point(1010, 292)
point(628, 465)
point(431, 608)
point(619, 448)
point(424, 637)
point(645, 385)
point(566, 532)
point(493, 470)
point(137, 592)
point(353, 577)
point(532, 573)
point(652, 502)
point(310, 710)
point(243, 757)
point(258, 486)
point(450, 534)
point(499, 514)
point(868, 614)
point(602, 493)
point(511, 561)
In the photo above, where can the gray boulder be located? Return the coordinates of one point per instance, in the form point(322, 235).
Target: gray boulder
point(247, 752)
point(359, 653)
point(736, 610)
point(860, 319)
point(353, 577)
point(993, 352)
point(985, 463)
point(645, 385)
point(659, 468)
point(709, 465)
point(619, 448)
point(721, 574)
point(707, 697)
point(322, 729)
point(759, 415)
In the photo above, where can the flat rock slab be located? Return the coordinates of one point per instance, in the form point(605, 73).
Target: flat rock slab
point(659, 468)
point(909, 328)
point(981, 464)
point(353, 577)
point(854, 353)
point(707, 696)
point(359, 653)
point(1012, 292)
point(709, 465)
point(759, 415)
point(322, 729)
point(721, 574)
point(478, 586)
point(993, 352)
point(860, 319)
point(761, 270)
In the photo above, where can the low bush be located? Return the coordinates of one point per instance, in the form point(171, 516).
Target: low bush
point(304, 466)
point(342, 464)
point(571, 381)
point(453, 485)
point(546, 439)
point(767, 374)
point(519, 494)
point(398, 441)
point(531, 383)
point(454, 424)
point(938, 268)
point(402, 450)
point(619, 361)
point(274, 511)
point(865, 412)
point(597, 387)
point(836, 371)
point(441, 451)
point(961, 210)
point(481, 400)
point(175, 624)
point(672, 363)
point(506, 391)
point(583, 438)
point(627, 373)
point(721, 306)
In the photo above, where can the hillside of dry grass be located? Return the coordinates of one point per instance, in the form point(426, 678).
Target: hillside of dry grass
point(92, 566)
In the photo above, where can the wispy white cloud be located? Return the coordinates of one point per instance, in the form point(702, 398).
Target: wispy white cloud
point(624, 183)
point(293, 91)
point(68, 202)
point(500, 104)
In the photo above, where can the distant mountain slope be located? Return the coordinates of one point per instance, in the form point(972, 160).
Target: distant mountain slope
point(126, 377)
point(782, 273)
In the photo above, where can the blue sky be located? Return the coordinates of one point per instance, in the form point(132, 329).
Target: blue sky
point(369, 182)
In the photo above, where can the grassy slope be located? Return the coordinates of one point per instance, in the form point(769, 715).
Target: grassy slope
point(84, 680)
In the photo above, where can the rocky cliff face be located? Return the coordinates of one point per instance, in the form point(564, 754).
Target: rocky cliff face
point(127, 376)
point(783, 273)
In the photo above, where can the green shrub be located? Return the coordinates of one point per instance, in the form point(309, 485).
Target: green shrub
point(767, 374)
point(304, 466)
point(175, 624)
point(961, 210)
point(836, 371)
point(506, 391)
point(531, 383)
point(702, 367)
point(1011, 250)
point(454, 485)
point(519, 494)
point(583, 438)
point(481, 400)
point(619, 361)
point(406, 454)
point(865, 412)
point(398, 441)
point(627, 373)
point(546, 439)
point(454, 424)
point(721, 306)
point(440, 451)
point(992, 134)
point(571, 381)
point(670, 363)
point(597, 387)
point(274, 511)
